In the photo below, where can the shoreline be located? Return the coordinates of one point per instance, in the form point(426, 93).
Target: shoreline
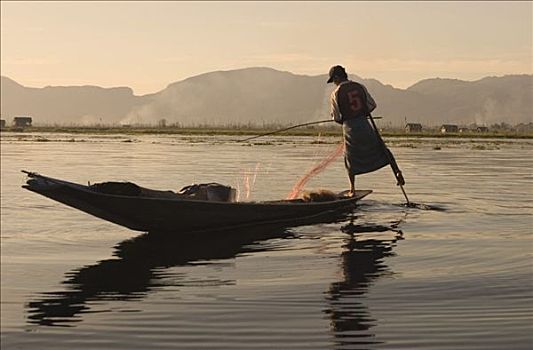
point(306, 131)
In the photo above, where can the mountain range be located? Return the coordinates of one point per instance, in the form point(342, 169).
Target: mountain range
point(259, 96)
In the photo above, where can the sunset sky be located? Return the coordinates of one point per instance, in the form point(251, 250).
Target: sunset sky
point(148, 45)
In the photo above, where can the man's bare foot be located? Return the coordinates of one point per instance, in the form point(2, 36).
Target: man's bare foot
point(351, 193)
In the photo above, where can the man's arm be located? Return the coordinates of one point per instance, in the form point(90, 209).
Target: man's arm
point(334, 105)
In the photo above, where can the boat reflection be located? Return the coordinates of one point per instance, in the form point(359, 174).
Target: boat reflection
point(141, 262)
point(138, 269)
point(362, 263)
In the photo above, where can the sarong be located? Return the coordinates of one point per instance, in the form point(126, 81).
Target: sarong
point(364, 152)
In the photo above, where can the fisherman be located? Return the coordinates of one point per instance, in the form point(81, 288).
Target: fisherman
point(364, 150)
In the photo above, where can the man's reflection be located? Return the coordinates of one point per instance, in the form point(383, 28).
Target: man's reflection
point(362, 263)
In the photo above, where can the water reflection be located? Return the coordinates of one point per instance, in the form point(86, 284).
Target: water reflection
point(141, 262)
point(139, 269)
point(362, 263)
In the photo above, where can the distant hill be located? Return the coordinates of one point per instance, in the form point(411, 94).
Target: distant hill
point(489, 100)
point(265, 95)
point(67, 104)
point(254, 95)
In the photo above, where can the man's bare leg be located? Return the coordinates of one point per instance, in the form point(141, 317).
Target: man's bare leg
point(352, 185)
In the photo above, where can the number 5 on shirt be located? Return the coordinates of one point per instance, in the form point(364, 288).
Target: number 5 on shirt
point(355, 100)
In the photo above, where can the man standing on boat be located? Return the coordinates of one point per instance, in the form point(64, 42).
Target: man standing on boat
point(364, 150)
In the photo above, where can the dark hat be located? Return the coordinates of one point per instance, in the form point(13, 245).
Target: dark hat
point(336, 72)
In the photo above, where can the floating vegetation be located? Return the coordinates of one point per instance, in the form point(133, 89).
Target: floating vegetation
point(194, 140)
point(485, 147)
point(266, 143)
point(72, 140)
point(437, 148)
point(321, 142)
point(407, 145)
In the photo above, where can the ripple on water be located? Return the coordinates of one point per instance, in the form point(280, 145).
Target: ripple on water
point(386, 277)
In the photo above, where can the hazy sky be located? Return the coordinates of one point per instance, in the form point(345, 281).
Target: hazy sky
point(148, 45)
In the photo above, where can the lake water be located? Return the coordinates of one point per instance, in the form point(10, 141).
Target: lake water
point(385, 277)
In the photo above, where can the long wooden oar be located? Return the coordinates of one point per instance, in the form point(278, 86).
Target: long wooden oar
point(394, 166)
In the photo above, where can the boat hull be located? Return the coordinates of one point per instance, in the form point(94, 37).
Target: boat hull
point(163, 214)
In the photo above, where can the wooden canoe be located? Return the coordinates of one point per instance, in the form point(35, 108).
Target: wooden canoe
point(179, 214)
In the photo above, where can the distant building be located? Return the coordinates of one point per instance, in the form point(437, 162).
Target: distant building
point(2, 123)
point(446, 128)
point(413, 127)
point(482, 129)
point(22, 121)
